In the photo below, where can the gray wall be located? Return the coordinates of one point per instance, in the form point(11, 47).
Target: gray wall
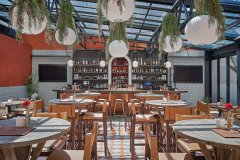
point(12, 91)
point(189, 57)
point(51, 57)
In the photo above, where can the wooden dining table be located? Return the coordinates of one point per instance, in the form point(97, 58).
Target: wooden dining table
point(11, 104)
point(160, 104)
point(201, 132)
point(18, 147)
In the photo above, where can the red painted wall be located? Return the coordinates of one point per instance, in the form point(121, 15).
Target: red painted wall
point(15, 61)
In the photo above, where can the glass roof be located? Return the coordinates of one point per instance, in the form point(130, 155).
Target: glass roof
point(147, 18)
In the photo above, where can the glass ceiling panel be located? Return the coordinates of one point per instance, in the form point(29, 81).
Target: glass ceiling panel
point(89, 10)
point(132, 30)
point(144, 38)
point(139, 16)
point(231, 1)
point(146, 32)
point(84, 4)
point(157, 13)
point(131, 36)
point(91, 31)
point(154, 18)
point(153, 23)
point(140, 11)
point(142, 3)
point(5, 2)
point(161, 6)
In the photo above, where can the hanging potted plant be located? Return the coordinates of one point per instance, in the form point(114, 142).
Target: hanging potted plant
point(117, 44)
point(66, 32)
point(170, 40)
point(114, 11)
point(29, 17)
point(208, 26)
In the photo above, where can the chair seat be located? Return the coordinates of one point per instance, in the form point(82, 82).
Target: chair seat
point(142, 118)
point(93, 116)
point(171, 156)
point(190, 146)
point(119, 100)
point(101, 103)
point(53, 144)
point(67, 155)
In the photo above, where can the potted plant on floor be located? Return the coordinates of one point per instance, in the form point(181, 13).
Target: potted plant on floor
point(31, 84)
point(170, 40)
point(29, 17)
point(66, 32)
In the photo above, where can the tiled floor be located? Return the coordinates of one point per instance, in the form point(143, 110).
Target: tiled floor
point(119, 143)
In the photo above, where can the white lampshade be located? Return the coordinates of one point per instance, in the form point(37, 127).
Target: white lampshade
point(168, 64)
point(68, 39)
point(176, 46)
point(102, 63)
point(113, 13)
point(35, 28)
point(199, 31)
point(70, 63)
point(135, 63)
point(118, 48)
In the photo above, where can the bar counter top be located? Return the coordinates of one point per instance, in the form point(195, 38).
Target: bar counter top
point(121, 91)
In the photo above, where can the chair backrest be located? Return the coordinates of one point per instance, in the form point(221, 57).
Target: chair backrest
point(90, 147)
point(58, 108)
point(170, 112)
point(174, 97)
point(203, 108)
point(186, 117)
point(38, 105)
point(151, 149)
point(64, 95)
point(62, 115)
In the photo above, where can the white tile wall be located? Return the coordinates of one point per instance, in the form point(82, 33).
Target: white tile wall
point(13, 91)
point(191, 57)
point(45, 88)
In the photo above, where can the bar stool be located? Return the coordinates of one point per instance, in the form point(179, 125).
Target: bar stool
point(119, 101)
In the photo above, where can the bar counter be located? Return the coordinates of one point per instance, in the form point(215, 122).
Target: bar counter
point(121, 91)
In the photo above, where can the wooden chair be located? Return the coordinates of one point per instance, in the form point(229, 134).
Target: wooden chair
point(89, 152)
point(174, 97)
point(141, 119)
point(98, 117)
point(203, 108)
point(73, 117)
point(148, 109)
point(51, 145)
point(151, 149)
point(38, 105)
point(169, 118)
point(64, 95)
point(186, 145)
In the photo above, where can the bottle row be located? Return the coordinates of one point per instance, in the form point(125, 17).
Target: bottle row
point(119, 77)
point(150, 69)
point(89, 69)
point(100, 85)
point(77, 76)
point(120, 70)
point(86, 61)
point(139, 77)
point(119, 84)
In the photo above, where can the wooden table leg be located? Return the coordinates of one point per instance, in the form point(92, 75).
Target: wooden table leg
point(23, 152)
point(168, 138)
point(205, 151)
point(37, 151)
point(9, 154)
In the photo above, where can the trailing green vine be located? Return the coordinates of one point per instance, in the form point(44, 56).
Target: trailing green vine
point(65, 19)
point(36, 10)
point(117, 32)
point(103, 4)
point(169, 28)
point(214, 10)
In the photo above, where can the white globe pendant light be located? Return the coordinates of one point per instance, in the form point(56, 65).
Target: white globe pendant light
point(199, 31)
point(176, 46)
point(118, 48)
point(70, 63)
point(135, 63)
point(68, 39)
point(112, 12)
point(167, 64)
point(102, 63)
point(35, 28)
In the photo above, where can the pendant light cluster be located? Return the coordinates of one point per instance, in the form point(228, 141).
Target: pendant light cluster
point(117, 12)
point(208, 26)
point(32, 17)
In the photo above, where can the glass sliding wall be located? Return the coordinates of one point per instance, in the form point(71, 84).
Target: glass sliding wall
point(233, 80)
point(214, 81)
point(223, 79)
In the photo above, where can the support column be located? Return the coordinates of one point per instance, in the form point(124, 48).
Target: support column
point(238, 75)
